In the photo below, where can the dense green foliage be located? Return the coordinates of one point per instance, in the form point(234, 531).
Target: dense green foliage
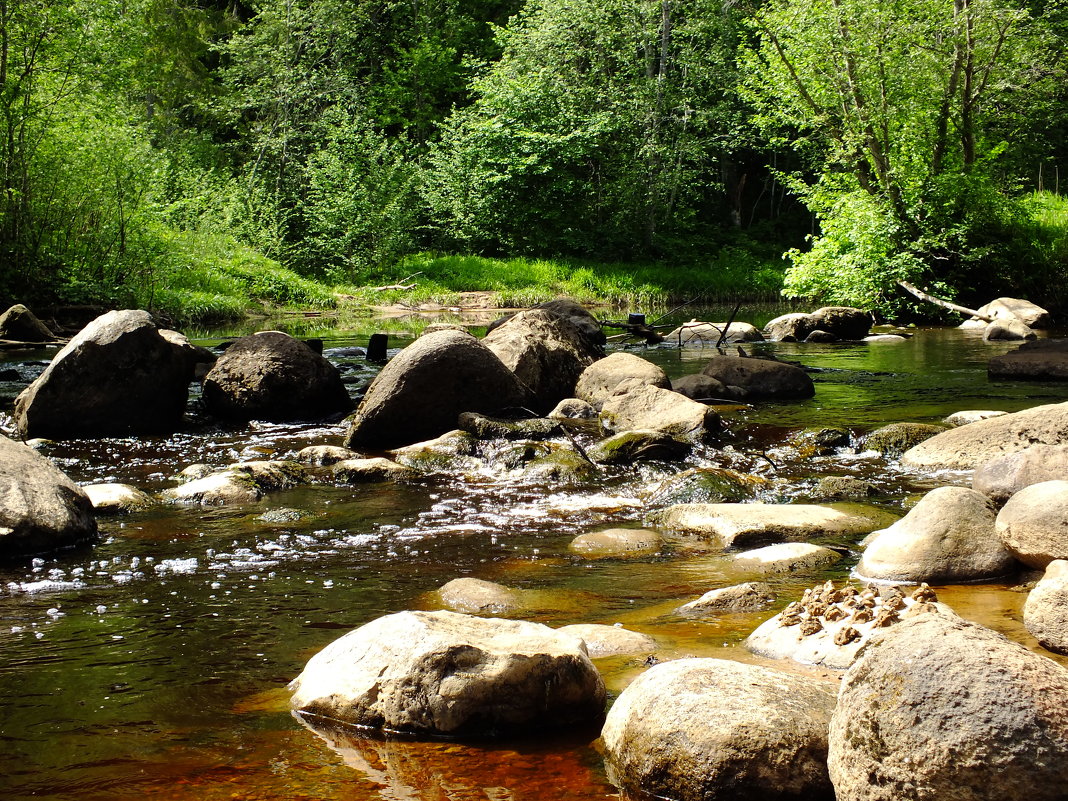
point(199, 156)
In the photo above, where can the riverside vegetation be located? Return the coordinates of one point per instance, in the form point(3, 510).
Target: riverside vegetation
point(198, 157)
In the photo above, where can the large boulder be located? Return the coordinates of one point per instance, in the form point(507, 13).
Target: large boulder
point(845, 322)
point(41, 509)
point(1003, 477)
point(700, 729)
point(272, 376)
point(547, 353)
point(650, 408)
point(600, 380)
point(1045, 613)
point(761, 378)
point(421, 392)
point(1008, 330)
point(704, 388)
point(948, 537)
point(441, 673)
point(1030, 314)
point(1040, 360)
point(1034, 523)
point(970, 445)
point(567, 309)
point(117, 377)
point(793, 327)
point(938, 707)
point(19, 324)
point(747, 524)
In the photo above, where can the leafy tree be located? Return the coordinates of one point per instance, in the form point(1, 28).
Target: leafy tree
point(602, 130)
point(906, 108)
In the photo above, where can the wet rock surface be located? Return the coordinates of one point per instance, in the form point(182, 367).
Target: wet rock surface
point(761, 379)
point(449, 674)
point(41, 509)
point(937, 707)
point(695, 729)
point(752, 596)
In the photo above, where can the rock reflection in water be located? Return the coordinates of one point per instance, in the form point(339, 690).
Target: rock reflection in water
point(409, 770)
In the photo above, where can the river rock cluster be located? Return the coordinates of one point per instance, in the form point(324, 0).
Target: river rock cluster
point(867, 690)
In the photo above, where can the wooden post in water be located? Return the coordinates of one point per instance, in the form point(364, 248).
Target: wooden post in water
point(376, 347)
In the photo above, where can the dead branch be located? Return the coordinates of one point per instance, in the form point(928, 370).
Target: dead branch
point(945, 304)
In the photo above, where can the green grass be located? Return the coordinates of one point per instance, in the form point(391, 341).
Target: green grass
point(203, 278)
point(732, 274)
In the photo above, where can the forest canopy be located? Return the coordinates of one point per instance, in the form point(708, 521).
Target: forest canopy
point(165, 152)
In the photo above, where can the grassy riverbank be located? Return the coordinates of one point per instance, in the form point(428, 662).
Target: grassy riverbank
point(230, 281)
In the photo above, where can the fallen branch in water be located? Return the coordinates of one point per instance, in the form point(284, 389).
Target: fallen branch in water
point(945, 304)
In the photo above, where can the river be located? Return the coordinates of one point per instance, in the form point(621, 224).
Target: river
point(154, 663)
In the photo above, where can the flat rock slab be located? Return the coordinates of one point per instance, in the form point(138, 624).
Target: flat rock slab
point(617, 543)
point(440, 673)
point(745, 524)
point(790, 557)
point(967, 446)
point(602, 640)
point(1044, 360)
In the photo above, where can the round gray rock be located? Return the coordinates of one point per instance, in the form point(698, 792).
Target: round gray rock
point(940, 708)
point(440, 673)
point(41, 510)
point(947, 537)
point(272, 376)
point(421, 392)
point(699, 729)
point(1045, 613)
point(1034, 523)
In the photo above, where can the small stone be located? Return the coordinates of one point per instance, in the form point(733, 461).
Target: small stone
point(846, 635)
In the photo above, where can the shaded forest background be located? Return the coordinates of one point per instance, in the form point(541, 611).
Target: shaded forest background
point(192, 156)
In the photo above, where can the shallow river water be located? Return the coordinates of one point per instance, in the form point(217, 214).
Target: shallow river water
point(154, 663)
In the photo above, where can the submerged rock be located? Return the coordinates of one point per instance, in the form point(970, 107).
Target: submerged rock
point(272, 376)
point(485, 427)
point(324, 455)
point(475, 596)
point(1034, 523)
point(422, 391)
point(629, 447)
point(843, 488)
point(790, 557)
point(452, 451)
point(610, 640)
point(938, 707)
point(440, 673)
point(118, 377)
point(894, 439)
point(761, 379)
point(975, 443)
point(743, 524)
point(41, 510)
point(704, 485)
point(617, 543)
point(752, 596)
point(1042, 360)
point(947, 537)
point(698, 729)
point(368, 471)
point(244, 482)
point(117, 498)
point(1045, 613)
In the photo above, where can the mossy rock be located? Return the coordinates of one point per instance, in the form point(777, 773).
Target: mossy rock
point(562, 464)
point(484, 427)
point(455, 451)
point(704, 485)
point(628, 447)
point(819, 441)
point(896, 438)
